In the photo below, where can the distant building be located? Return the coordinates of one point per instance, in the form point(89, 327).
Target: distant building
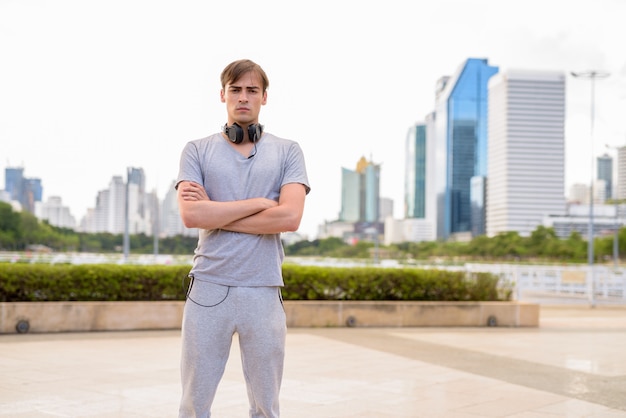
point(360, 199)
point(115, 206)
point(461, 142)
point(14, 182)
point(599, 192)
point(578, 194)
point(122, 197)
point(385, 209)
point(604, 166)
point(360, 192)
point(621, 173)
point(363, 211)
point(526, 170)
point(337, 229)
point(408, 230)
point(26, 191)
point(171, 223)
point(415, 172)
point(55, 213)
point(606, 219)
point(420, 214)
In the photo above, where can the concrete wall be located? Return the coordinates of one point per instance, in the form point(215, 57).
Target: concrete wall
point(410, 314)
point(41, 317)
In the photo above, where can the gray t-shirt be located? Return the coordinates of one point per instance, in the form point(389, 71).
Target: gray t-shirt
point(234, 258)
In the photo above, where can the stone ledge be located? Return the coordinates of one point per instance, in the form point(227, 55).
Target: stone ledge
point(42, 317)
point(410, 314)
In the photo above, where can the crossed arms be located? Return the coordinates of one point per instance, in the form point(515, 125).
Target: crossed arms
point(252, 216)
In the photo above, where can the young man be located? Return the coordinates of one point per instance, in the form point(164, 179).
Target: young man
point(242, 188)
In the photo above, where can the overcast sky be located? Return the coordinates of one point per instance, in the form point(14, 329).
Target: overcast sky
point(88, 88)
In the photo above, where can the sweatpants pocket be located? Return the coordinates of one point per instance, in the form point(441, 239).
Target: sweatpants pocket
point(206, 294)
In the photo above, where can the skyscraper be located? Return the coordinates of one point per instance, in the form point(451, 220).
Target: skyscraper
point(461, 141)
point(109, 215)
point(621, 172)
point(350, 195)
point(605, 172)
point(55, 213)
point(14, 182)
point(415, 172)
point(360, 195)
point(24, 190)
point(526, 169)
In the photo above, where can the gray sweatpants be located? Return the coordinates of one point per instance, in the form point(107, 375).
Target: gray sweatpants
point(256, 314)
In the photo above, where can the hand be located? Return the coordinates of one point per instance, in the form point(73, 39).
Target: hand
point(193, 192)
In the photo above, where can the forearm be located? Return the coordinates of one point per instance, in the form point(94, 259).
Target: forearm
point(282, 218)
point(207, 214)
point(270, 221)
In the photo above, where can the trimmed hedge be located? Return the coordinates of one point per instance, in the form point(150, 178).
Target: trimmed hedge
point(370, 283)
point(90, 282)
point(104, 282)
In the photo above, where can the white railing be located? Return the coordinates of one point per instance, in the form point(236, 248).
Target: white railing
point(557, 284)
point(596, 283)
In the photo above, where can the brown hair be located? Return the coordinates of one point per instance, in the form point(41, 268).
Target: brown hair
point(236, 69)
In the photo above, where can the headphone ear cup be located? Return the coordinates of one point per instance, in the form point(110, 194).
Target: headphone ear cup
point(255, 132)
point(234, 133)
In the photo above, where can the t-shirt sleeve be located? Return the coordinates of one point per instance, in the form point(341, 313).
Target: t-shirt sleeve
point(189, 167)
point(295, 169)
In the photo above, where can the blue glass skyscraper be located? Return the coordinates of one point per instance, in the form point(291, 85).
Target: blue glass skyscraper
point(461, 131)
point(14, 182)
point(26, 191)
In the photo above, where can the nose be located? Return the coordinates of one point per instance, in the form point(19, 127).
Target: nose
point(243, 96)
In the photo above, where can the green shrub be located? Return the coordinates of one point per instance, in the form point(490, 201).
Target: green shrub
point(90, 282)
point(109, 282)
point(368, 283)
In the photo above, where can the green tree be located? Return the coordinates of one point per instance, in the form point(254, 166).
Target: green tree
point(10, 232)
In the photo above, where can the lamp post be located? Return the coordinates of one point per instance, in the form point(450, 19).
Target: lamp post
point(591, 75)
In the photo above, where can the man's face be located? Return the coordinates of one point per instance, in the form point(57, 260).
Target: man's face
point(244, 98)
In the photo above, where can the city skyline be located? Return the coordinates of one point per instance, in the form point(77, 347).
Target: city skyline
point(82, 102)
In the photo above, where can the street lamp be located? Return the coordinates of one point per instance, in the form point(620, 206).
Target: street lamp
point(592, 75)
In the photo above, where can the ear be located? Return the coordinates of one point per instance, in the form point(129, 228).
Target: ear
point(264, 101)
point(222, 99)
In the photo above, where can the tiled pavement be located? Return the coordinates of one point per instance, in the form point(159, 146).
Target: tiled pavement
point(572, 365)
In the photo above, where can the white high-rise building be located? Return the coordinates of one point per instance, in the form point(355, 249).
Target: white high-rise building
point(170, 220)
point(109, 215)
point(526, 150)
point(621, 172)
point(115, 205)
point(55, 213)
point(578, 194)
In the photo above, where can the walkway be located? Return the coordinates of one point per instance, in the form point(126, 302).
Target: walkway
point(573, 365)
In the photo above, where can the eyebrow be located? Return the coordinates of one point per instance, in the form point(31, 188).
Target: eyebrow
point(236, 86)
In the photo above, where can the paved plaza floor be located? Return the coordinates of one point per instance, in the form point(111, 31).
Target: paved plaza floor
point(572, 365)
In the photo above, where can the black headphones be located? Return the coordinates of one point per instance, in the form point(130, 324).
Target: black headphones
point(235, 132)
